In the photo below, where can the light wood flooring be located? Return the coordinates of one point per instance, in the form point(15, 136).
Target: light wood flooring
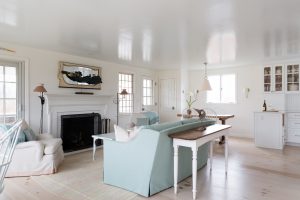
point(254, 173)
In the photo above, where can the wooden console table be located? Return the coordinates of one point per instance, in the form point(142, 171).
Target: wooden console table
point(221, 117)
point(194, 139)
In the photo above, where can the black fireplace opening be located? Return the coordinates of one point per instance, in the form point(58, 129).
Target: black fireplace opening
point(77, 130)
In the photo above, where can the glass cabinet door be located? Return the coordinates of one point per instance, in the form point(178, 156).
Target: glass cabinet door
point(278, 78)
point(267, 79)
point(292, 78)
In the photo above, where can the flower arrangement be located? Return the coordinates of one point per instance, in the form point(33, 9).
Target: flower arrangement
point(190, 100)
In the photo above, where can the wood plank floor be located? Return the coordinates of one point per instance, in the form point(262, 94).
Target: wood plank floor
point(254, 173)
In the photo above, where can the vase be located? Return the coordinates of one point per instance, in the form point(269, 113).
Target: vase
point(189, 111)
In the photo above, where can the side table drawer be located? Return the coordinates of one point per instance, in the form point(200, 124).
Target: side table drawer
point(293, 115)
point(294, 123)
point(293, 135)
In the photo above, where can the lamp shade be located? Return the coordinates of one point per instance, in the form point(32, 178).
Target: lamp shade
point(205, 86)
point(124, 92)
point(40, 88)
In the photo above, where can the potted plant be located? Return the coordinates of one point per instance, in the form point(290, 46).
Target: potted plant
point(190, 100)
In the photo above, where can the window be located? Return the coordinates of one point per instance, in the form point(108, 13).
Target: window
point(223, 89)
point(147, 92)
point(10, 92)
point(126, 101)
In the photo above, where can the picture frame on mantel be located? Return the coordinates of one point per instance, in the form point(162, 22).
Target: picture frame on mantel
point(72, 75)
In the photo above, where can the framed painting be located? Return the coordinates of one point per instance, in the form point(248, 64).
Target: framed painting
point(72, 75)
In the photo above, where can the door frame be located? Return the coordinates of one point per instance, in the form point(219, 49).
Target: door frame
point(25, 62)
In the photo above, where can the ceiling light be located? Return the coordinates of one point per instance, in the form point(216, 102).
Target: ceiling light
point(205, 86)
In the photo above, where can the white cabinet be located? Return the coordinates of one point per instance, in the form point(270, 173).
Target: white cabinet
point(292, 78)
point(274, 78)
point(267, 79)
point(293, 127)
point(269, 129)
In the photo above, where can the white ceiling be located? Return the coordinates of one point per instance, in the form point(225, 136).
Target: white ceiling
point(157, 33)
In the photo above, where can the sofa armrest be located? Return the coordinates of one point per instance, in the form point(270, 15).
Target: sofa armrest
point(30, 144)
point(32, 150)
point(51, 145)
point(44, 136)
point(129, 164)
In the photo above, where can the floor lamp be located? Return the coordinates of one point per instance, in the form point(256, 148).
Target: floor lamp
point(123, 93)
point(41, 89)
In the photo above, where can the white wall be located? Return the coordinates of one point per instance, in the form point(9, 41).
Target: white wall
point(246, 76)
point(43, 68)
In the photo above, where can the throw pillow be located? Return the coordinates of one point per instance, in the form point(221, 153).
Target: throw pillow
point(29, 134)
point(135, 131)
point(125, 136)
point(21, 136)
point(121, 134)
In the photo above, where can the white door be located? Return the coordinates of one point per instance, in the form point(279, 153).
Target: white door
point(149, 101)
point(167, 100)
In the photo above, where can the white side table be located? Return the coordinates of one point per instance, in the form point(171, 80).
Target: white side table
point(106, 136)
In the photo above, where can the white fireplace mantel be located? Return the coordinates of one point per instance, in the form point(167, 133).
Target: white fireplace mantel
point(66, 104)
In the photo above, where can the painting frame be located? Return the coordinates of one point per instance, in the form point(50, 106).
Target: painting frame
point(66, 68)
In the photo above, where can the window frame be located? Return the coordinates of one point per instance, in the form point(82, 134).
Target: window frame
point(130, 94)
point(20, 89)
point(152, 91)
point(220, 89)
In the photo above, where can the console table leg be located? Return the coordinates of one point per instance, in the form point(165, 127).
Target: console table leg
point(175, 168)
point(94, 148)
point(194, 172)
point(226, 154)
point(211, 154)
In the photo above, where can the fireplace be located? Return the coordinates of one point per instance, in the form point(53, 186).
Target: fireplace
point(77, 130)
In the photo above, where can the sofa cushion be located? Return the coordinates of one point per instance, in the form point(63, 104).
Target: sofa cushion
point(189, 126)
point(206, 122)
point(191, 120)
point(163, 126)
point(51, 145)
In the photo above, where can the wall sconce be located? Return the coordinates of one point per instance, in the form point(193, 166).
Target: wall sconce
point(246, 92)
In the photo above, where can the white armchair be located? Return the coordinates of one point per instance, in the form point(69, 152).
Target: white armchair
point(8, 143)
point(145, 118)
point(39, 157)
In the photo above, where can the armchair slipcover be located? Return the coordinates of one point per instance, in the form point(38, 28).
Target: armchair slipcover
point(38, 157)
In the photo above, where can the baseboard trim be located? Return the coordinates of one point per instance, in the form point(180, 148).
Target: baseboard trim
point(82, 150)
point(292, 144)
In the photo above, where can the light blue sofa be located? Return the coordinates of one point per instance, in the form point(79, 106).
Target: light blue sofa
point(148, 119)
point(144, 165)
